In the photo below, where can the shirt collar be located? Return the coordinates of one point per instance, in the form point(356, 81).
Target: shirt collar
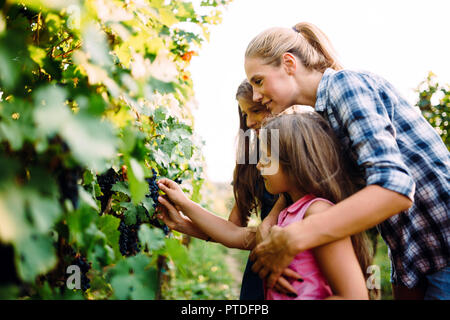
point(293, 208)
point(321, 95)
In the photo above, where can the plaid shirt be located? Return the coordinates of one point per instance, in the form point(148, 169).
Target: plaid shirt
point(399, 151)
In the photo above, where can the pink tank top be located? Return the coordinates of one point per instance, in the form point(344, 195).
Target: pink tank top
point(314, 286)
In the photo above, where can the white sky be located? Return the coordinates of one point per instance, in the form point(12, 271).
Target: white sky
point(400, 40)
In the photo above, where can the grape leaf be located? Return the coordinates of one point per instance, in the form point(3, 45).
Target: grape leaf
point(152, 238)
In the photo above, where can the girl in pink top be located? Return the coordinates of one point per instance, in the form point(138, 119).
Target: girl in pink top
point(313, 286)
point(307, 168)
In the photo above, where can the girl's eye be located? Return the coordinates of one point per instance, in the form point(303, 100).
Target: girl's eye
point(258, 82)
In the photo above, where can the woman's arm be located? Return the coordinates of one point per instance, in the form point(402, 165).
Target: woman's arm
point(363, 210)
point(338, 262)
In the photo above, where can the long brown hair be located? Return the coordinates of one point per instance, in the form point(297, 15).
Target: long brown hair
point(311, 157)
point(248, 185)
point(304, 40)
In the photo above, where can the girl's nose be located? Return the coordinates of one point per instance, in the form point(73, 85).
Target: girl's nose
point(250, 122)
point(257, 97)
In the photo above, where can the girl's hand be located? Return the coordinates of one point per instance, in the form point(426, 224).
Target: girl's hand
point(173, 219)
point(173, 192)
point(271, 256)
point(283, 286)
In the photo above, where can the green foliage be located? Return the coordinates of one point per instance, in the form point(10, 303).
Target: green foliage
point(207, 277)
point(86, 86)
point(434, 103)
point(381, 260)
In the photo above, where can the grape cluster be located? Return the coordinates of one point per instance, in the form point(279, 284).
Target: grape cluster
point(84, 266)
point(128, 240)
point(155, 222)
point(154, 189)
point(68, 184)
point(106, 181)
point(8, 274)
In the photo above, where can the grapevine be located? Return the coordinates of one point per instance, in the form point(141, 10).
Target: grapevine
point(128, 241)
point(106, 181)
point(77, 102)
point(154, 189)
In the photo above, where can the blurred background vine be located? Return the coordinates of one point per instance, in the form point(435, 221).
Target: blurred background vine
point(95, 104)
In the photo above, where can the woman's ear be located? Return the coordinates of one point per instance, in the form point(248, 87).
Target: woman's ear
point(289, 63)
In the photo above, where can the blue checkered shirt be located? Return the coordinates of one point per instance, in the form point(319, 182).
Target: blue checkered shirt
point(398, 150)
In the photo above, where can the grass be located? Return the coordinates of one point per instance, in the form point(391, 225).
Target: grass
point(207, 276)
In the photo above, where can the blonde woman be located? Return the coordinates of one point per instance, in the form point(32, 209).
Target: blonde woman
point(405, 163)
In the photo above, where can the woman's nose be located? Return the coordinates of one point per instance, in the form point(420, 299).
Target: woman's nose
point(257, 97)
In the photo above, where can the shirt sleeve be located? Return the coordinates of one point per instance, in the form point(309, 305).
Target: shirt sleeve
point(361, 107)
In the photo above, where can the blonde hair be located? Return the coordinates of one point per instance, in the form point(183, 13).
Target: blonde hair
point(310, 155)
point(306, 41)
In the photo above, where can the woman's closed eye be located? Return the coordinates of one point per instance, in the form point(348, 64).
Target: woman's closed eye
point(258, 82)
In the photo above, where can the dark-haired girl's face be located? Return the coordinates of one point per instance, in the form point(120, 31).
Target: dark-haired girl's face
point(254, 113)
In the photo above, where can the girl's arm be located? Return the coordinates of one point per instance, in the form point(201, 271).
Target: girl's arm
point(217, 228)
point(221, 230)
point(177, 221)
point(338, 262)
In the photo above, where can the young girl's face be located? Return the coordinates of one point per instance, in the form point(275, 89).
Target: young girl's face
point(272, 86)
point(254, 113)
point(275, 183)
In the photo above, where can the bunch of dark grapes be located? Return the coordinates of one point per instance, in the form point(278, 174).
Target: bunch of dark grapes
point(106, 181)
point(178, 180)
point(155, 222)
point(68, 184)
point(128, 240)
point(8, 274)
point(84, 266)
point(154, 189)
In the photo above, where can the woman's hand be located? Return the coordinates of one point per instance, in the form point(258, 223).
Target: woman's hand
point(263, 230)
point(173, 192)
point(271, 257)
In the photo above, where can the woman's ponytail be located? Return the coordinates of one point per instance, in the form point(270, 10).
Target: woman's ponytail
point(304, 40)
point(317, 39)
